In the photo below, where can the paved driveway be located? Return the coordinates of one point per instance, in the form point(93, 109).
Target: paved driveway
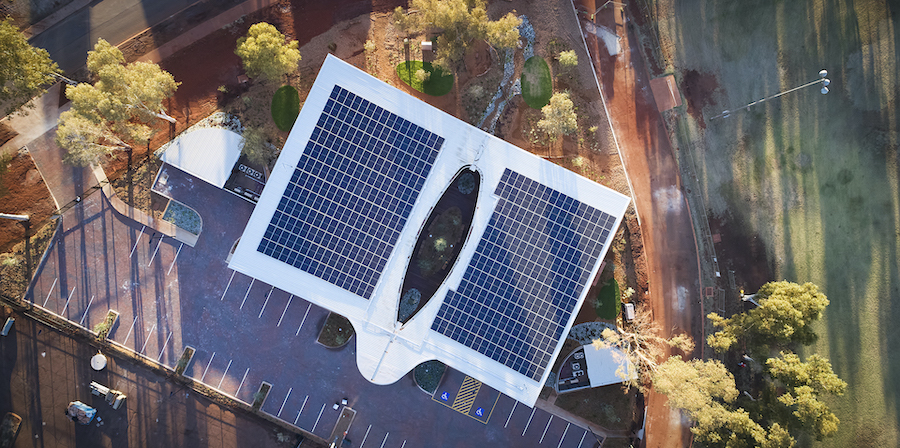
point(170, 296)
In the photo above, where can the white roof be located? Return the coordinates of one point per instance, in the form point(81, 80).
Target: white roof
point(607, 365)
point(208, 153)
point(387, 350)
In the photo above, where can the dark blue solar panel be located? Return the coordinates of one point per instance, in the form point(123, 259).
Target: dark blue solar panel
point(521, 286)
point(351, 193)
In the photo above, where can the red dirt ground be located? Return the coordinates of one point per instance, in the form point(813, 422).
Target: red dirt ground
point(22, 191)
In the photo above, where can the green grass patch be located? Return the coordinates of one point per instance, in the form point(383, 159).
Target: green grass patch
point(537, 86)
point(608, 301)
point(336, 332)
point(428, 375)
point(439, 82)
point(285, 107)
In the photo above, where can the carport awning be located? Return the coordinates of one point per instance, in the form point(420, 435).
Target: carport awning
point(208, 154)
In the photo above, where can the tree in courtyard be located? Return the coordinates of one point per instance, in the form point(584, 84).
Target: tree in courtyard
point(115, 111)
point(559, 116)
point(24, 70)
point(266, 53)
point(255, 145)
point(785, 313)
point(460, 22)
point(642, 347)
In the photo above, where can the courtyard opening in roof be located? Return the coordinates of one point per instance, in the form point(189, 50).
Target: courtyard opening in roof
point(440, 241)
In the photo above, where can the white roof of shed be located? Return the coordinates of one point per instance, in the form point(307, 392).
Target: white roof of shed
point(208, 153)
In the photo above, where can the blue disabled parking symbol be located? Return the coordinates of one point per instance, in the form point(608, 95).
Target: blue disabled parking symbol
point(479, 412)
point(445, 396)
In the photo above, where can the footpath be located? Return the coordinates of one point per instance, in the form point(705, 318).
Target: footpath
point(664, 214)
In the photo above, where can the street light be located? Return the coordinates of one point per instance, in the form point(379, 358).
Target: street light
point(822, 80)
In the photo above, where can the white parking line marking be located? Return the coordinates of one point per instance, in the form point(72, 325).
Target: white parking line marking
point(297, 418)
point(320, 416)
point(304, 319)
point(67, 301)
point(302, 406)
point(51, 292)
point(228, 285)
point(148, 339)
point(155, 251)
point(164, 346)
point(207, 366)
point(242, 382)
point(81, 322)
point(404, 444)
point(529, 422)
point(130, 330)
point(385, 440)
point(138, 240)
point(224, 374)
point(511, 413)
point(582, 439)
point(266, 302)
point(364, 437)
point(285, 310)
point(248, 292)
point(564, 435)
point(545, 430)
point(284, 402)
point(173, 260)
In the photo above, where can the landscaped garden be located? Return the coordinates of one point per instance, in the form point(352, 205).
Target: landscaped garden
point(183, 216)
point(537, 85)
point(608, 302)
point(425, 78)
point(336, 332)
point(428, 375)
point(439, 244)
point(285, 107)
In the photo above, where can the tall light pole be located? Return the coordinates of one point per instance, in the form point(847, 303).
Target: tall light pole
point(822, 80)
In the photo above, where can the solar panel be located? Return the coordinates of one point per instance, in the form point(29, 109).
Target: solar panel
point(351, 193)
point(529, 268)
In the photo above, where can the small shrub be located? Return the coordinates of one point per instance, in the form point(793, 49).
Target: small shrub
point(422, 76)
point(568, 59)
point(102, 328)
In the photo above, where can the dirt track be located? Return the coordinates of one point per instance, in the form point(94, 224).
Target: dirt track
point(664, 214)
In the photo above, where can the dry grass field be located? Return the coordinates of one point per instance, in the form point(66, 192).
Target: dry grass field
point(814, 178)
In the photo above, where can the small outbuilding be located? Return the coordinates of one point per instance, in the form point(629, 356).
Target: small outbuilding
point(592, 366)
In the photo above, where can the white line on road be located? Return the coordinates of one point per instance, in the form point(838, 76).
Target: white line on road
point(155, 251)
point(511, 413)
point(285, 310)
point(228, 285)
point(529, 422)
point(302, 406)
point(242, 382)
point(224, 374)
point(138, 240)
point(130, 330)
point(404, 444)
point(364, 437)
point(248, 292)
point(51, 292)
point(545, 430)
point(304, 319)
point(265, 303)
point(207, 366)
point(320, 416)
point(564, 435)
point(81, 322)
point(297, 418)
point(385, 440)
point(173, 260)
point(284, 402)
point(582, 439)
point(148, 339)
point(67, 301)
point(164, 347)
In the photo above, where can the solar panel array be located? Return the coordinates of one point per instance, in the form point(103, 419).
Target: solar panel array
point(351, 193)
point(521, 286)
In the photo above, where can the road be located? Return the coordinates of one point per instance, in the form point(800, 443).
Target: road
point(664, 213)
point(69, 40)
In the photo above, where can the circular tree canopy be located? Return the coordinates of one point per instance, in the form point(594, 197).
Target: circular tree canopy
point(285, 107)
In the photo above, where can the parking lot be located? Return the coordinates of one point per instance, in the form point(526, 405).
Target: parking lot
point(170, 296)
